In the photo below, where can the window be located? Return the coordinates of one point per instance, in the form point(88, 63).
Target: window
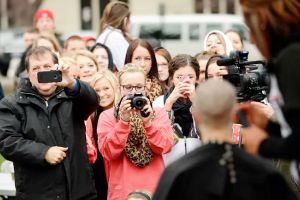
point(215, 6)
point(199, 6)
point(211, 27)
point(194, 31)
point(161, 31)
point(230, 6)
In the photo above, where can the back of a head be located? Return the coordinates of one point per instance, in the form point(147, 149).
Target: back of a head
point(114, 14)
point(215, 100)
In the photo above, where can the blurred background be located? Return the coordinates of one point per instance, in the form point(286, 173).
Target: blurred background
point(178, 25)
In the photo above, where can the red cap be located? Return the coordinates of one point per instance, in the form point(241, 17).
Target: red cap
point(43, 13)
point(88, 38)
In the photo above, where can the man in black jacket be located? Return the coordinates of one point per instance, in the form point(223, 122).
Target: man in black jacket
point(218, 170)
point(42, 131)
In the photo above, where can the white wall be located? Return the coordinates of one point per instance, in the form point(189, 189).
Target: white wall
point(66, 14)
point(148, 7)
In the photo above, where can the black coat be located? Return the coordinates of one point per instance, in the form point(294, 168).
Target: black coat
point(284, 67)
point(29, 126)
point(199, 175)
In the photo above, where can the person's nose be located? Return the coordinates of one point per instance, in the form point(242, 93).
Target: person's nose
point(142, 62)
point(101, 94)
point(159, 68)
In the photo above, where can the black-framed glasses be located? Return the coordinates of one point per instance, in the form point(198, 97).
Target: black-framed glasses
point(138, 88)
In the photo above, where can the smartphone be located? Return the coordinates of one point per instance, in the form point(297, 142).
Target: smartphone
point(49, 76)
point(182, 78)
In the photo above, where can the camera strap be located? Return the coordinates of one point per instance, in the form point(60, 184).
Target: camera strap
point(116, 111)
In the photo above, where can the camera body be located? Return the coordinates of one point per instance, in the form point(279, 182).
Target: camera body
point(137, 100)
point(249, 77)
point(49, 76)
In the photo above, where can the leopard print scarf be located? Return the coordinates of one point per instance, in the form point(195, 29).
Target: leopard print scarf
point(137, 148)
point(154, 89)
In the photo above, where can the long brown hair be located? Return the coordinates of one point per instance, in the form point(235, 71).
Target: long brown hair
point(114, 15)
point(282, 14)
point(139, 42)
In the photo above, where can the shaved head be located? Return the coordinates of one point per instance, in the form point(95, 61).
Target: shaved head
point(214, 103)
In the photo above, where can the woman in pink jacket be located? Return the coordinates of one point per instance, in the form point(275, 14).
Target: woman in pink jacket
point(133, 136)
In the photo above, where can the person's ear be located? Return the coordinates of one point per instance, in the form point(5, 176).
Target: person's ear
point(126, 23)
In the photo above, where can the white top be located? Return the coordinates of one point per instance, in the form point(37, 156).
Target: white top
point(158, 102)
point(117, 44)
point(7, 185)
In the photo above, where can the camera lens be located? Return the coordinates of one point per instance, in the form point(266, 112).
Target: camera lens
point(138, 103)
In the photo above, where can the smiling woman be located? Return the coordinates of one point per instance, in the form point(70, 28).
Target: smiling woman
point(106, 85)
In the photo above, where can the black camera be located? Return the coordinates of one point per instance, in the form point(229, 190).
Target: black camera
point(138, 101)
point(249, 77)
point(49, 76)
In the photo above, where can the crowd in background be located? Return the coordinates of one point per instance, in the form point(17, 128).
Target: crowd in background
point(128, 145)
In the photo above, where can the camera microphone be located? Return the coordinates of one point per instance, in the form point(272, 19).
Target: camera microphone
point(225, 61)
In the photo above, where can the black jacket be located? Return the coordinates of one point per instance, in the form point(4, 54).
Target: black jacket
point(285, 68)
point(199, 175)
point(29, 126)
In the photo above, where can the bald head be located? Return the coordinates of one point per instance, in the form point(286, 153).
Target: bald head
point(214, 102)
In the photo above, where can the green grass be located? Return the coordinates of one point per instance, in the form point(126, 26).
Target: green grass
point(1, 159)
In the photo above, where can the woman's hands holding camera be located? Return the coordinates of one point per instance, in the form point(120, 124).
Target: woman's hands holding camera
point(148, 110)
point(125, 109)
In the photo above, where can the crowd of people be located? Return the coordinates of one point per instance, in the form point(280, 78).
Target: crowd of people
point(129, 121)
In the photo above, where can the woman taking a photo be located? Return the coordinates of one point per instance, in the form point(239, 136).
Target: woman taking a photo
point(133, 138)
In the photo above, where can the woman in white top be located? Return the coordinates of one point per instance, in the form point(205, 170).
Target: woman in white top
point(113, 30)
point(217, 42)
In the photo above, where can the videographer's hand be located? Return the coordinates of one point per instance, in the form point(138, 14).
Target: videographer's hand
point(255, 113)
point(125, 109)
point(149, 110)
point(55, 155)
point(252, 138)
point(68, 79)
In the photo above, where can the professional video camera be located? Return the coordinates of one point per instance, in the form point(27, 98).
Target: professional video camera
point(249, 77)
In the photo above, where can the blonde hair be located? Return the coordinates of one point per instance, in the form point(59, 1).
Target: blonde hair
point(130, 68)
point(51, 38)
point(69, 61)
point(282, 14)
point(204, 55)
point(114, 15)
point(88, 54)
point(108, 75)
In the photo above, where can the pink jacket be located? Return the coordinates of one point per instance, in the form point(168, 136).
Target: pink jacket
point(124, 177)
point(90, 141)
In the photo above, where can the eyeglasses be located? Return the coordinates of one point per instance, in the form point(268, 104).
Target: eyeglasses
point(138, 88)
